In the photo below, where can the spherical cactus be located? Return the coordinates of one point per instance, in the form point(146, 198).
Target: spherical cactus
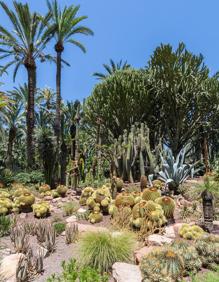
point(20, 191)
point(62, 190)
point(151, 194)
point(4, 194)
point(119, 184)
point(112, 210)
point(44, 188)
point(54, 194)
point(157, 184)
point(137, 222)
point(191, 232)
point(95, 217)
point(124, 199)
point(90, 202)
point(41, 209)
point(143, 182)
point(24, 202)
point(3, 210)
point(167, 204)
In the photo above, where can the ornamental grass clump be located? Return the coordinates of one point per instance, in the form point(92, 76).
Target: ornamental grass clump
point(101, 250)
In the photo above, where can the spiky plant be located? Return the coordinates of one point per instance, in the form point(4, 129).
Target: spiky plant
point(143, 182)
point(189, 254)
point(50, 239)
point(167, 204)
point(151, 194)
point(71, 233)
point(5, 224)
point(101, 250)
point(162, 263)
point(22, 270)
point(19, 239)
point(41, 230)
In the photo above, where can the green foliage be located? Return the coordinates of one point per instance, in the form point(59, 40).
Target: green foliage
point(5, 224)
point(59, 227)
point(70, 208)
point(210, 276)
point(167, 204)
point(191, 232)
point(29, 177)
point(71, 272)
point(101, 250)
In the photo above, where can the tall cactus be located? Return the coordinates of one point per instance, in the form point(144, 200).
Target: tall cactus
point(133, 156)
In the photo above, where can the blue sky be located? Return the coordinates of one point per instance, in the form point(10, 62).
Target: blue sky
point(128, 30)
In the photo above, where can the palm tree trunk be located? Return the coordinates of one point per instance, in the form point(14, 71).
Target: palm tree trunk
point(11, 138)
point(31, 71)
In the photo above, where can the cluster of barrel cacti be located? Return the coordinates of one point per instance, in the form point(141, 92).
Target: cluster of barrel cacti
point(41, 209)
point(132, 154)
point(60, 191)
point(148, 207)
point(17, 200)
point(98, 202)
point(191, 232)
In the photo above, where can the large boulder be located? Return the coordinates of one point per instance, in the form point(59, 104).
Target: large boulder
point(9, 266)
point(125, 272)
point(158, 240)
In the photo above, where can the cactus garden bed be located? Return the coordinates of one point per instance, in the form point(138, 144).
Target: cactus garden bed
point(48, 226)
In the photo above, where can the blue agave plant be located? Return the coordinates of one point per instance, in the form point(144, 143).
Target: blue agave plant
point(175, 171)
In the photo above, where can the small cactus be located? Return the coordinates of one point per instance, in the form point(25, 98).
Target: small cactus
point(143, 182)
point(167, 204)
point(151, 194)
point(71, 233)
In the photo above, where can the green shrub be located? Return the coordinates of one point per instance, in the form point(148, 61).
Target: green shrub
point(211, 276)
point(5, 224)
point(29, 177)
point(59, 227)
point(70, 207)
point(101, 250)
point(72, 273)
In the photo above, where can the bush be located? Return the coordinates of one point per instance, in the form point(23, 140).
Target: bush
point(29, 177)
point(59, 227)
point(5, 224)
point(101, 250)
point(210, 276)
point(72, 272)
point(70, 207)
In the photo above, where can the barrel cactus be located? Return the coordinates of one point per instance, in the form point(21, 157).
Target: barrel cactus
point(41, 209)
point(191, 232)
point(62, 190)
point(151, 194)
point(44, 188)
point(167, 204)
point(124, 199)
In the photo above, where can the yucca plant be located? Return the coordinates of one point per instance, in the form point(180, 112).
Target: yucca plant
point(71, 233)
point(101, 250)
point(20, 239)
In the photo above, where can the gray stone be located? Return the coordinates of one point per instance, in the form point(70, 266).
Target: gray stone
point(9, 266)
point(81, 210)
point(124, 272)
point(158, 240)
point(170, 232)
point(71, 219)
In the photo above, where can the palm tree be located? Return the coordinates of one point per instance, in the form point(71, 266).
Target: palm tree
point(24, 45)
point(13, 118)
point(111, 68)
point(65, 22)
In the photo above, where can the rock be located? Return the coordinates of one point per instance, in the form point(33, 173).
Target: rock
point(81, 210)
point(125, 272)
point(23, 215)
point(170, 232)
point(71, 219)
point(158, 240)
point(139, 254)
point(5, 252)
point(48, 198)
point(56, 200)
point(63, 233)
point(92, 228)
point(9, 266)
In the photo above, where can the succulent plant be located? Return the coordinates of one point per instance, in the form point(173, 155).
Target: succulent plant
point(119, 184)
point(143, 182)
point(62, 190)
point(157, 184)
point(151, 194)
point(167, 204)
point(50, 239)
point(124, 199)
point(41, 230)
point(41, 209)
point(19, 239)
point(208, 250)
point(71, 233)
point(22, 270)
point(191, 232)
point(44, 188)
point(24, 202)
point(95, 217)
point(163, 263)
point(189, 254)
point(5, 206)
point(86, 193)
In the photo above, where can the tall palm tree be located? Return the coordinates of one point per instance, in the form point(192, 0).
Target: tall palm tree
point(24, 45)
point(111, 68)
point(65, 22)
point(13, 117)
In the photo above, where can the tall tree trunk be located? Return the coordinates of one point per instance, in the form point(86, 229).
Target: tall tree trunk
point(59, 49)
point(31, 71)
point(11, 138)
point(205, 153)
